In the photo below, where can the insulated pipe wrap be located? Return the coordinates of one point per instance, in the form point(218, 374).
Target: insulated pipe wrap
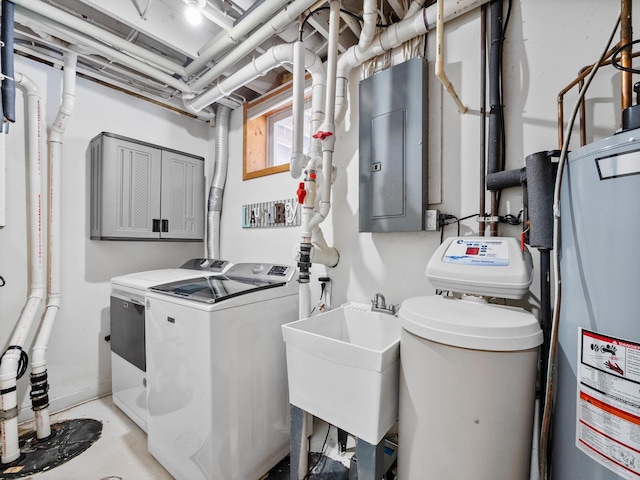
point(494, 144)
point(506, 179)
point(541, 174)
point(8, 82)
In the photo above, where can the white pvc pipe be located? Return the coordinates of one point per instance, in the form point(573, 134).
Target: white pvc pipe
point(321, 252)
point(222, 42)
point(414, 7)
point(54, 287)
point(9, 364)
point(394, 36)
point(167, 102)
point(272, 58)
point(370, 17)
point(327, 129)
point(138, 65)
point(297, 155)
point(275, 25)
point(327, 135)
point(98, 33)
point(440, 73)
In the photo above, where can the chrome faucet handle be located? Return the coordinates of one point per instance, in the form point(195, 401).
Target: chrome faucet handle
point(379, 304)
point(378, 301)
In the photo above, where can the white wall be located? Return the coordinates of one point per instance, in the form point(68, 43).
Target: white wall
point(78, 355)
point(546, 44)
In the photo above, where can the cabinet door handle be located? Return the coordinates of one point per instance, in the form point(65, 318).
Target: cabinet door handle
point(156, 225)
point(165, 225)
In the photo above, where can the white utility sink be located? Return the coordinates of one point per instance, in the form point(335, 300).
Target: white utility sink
point(343, 367)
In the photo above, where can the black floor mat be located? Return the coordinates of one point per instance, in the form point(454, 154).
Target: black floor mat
point(326, 469)
point(69, 439)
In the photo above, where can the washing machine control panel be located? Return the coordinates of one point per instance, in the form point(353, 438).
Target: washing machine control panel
point(213, 265)
point(262, 271)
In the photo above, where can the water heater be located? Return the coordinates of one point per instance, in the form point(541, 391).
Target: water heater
point(596, 428)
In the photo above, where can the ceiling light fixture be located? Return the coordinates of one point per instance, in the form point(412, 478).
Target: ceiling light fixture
point(193, 11)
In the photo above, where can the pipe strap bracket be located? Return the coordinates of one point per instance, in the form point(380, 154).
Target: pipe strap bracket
point(40, 403)
point(9, 414)
point(5, 391)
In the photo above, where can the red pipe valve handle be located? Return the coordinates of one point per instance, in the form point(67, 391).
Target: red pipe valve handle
point(321, 135)
point(301, 193)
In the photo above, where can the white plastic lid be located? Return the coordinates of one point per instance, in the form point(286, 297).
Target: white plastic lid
point(490, 266)
point(470, 323)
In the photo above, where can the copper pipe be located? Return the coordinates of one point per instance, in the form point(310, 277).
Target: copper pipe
point(584, 72)
point(493, 226)
point(483, 120)
point(626, 36)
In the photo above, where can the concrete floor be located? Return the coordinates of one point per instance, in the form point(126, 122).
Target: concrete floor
point(119, 454)
point(121, 451)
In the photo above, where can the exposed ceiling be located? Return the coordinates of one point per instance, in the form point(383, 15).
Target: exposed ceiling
point(147, 47)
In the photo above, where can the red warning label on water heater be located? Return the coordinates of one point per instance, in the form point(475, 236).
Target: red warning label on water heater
point(608, 402)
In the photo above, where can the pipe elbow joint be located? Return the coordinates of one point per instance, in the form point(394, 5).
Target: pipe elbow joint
point(38, 358)
point(9, 367)
point(37, 292)
point(324, 209)
point(187, 100)
point(298, 159)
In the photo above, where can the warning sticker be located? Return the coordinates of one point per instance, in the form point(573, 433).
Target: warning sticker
point(608, 409)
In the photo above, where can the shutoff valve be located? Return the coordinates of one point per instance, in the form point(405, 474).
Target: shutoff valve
point(301, 193)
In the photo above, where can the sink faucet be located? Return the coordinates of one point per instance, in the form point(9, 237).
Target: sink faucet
point(378, 304)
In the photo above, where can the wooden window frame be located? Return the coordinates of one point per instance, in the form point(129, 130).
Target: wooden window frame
point(255, 131)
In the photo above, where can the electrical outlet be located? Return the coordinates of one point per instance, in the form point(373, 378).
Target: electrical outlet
point(431, 220)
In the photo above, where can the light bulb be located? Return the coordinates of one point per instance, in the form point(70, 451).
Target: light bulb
point(194, 17)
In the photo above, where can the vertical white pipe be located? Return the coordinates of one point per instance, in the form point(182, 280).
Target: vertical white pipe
point(327, 130)
point(297, 156)
point(370, 17)
point(54, 286)
point(394, 36)
point(440, 73)
point(10, 360)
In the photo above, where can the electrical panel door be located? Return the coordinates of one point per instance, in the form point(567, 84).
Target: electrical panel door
point(393, 148)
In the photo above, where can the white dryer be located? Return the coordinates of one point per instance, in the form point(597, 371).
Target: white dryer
point(216, 369)
point(127, 331)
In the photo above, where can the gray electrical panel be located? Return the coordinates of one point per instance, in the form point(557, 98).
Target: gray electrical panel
point(393, 148)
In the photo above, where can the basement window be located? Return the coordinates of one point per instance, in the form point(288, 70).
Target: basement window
point(268, 133)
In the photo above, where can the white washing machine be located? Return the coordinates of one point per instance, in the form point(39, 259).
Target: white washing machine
point(216, 369)
point(127, 331)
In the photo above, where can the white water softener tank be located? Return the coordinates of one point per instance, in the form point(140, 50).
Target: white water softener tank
point(468, 368)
